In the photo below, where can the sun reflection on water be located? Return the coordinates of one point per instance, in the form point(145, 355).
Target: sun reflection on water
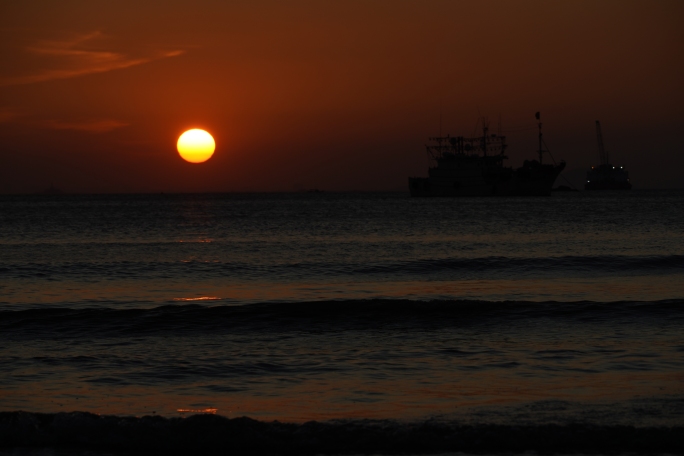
point(211, 411)
point(201, 298)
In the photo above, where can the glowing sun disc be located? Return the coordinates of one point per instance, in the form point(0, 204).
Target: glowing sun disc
point(196, 146)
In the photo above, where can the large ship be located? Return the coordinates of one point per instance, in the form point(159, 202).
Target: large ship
point(606, 176)
point(474, 167)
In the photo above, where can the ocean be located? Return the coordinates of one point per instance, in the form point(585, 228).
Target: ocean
point(342, 323)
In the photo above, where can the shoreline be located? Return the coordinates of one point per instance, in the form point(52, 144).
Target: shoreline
point(215, 433)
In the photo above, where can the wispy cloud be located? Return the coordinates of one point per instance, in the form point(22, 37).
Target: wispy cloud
point(92, 126)
point(75, 59)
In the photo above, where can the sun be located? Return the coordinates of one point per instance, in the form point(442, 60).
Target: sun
point(196, 146)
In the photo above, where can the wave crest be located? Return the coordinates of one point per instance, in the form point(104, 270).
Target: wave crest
point(357, 314)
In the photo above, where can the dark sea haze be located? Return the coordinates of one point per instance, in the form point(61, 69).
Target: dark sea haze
point(566, 310)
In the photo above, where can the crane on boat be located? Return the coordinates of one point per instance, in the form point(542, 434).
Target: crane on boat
point(604, 158)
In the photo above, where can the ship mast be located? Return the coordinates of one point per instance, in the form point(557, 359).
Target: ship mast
point(541, 151)
point(485, 128)
point(603, 156)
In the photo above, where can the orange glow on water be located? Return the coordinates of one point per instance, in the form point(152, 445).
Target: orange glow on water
point(201, 298)
point(344, 399)
point(211, 411)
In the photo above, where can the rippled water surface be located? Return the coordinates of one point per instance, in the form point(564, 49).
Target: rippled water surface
point(342, 306)
point(130, 250)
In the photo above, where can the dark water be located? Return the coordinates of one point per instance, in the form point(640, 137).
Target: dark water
point(498, 314)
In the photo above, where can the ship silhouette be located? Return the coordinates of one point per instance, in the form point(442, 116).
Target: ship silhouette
point(474, 167)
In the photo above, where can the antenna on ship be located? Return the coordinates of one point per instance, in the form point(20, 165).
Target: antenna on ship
point(538, 117)
point(603, 156)
point(440, 118)
point(485, 128)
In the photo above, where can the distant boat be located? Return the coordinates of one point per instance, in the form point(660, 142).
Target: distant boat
point(606, 176)
point(564, 188)
point(52, 190)
point(474, 167)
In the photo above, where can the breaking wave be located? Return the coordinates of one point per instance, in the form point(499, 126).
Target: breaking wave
point(354, 314)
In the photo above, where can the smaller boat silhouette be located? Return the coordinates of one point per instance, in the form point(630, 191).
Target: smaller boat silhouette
point(52, 190)
point(606, 176)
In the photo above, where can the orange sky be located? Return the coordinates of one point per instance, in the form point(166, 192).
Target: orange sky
point(338, 95)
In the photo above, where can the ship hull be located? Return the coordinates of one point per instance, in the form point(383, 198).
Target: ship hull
point(426, 187)
point(526, 181)
point(607, 177)
point(608, 185)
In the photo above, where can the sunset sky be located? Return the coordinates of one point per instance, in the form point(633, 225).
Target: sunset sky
point(336, 95)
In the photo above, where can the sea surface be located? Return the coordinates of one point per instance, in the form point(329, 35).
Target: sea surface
point(372, 314)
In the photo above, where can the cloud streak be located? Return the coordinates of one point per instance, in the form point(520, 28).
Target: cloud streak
point(75, 60)
point(91, 126)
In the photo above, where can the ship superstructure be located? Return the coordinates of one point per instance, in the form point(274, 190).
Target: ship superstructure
point(474, 167)
point(606, 176)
